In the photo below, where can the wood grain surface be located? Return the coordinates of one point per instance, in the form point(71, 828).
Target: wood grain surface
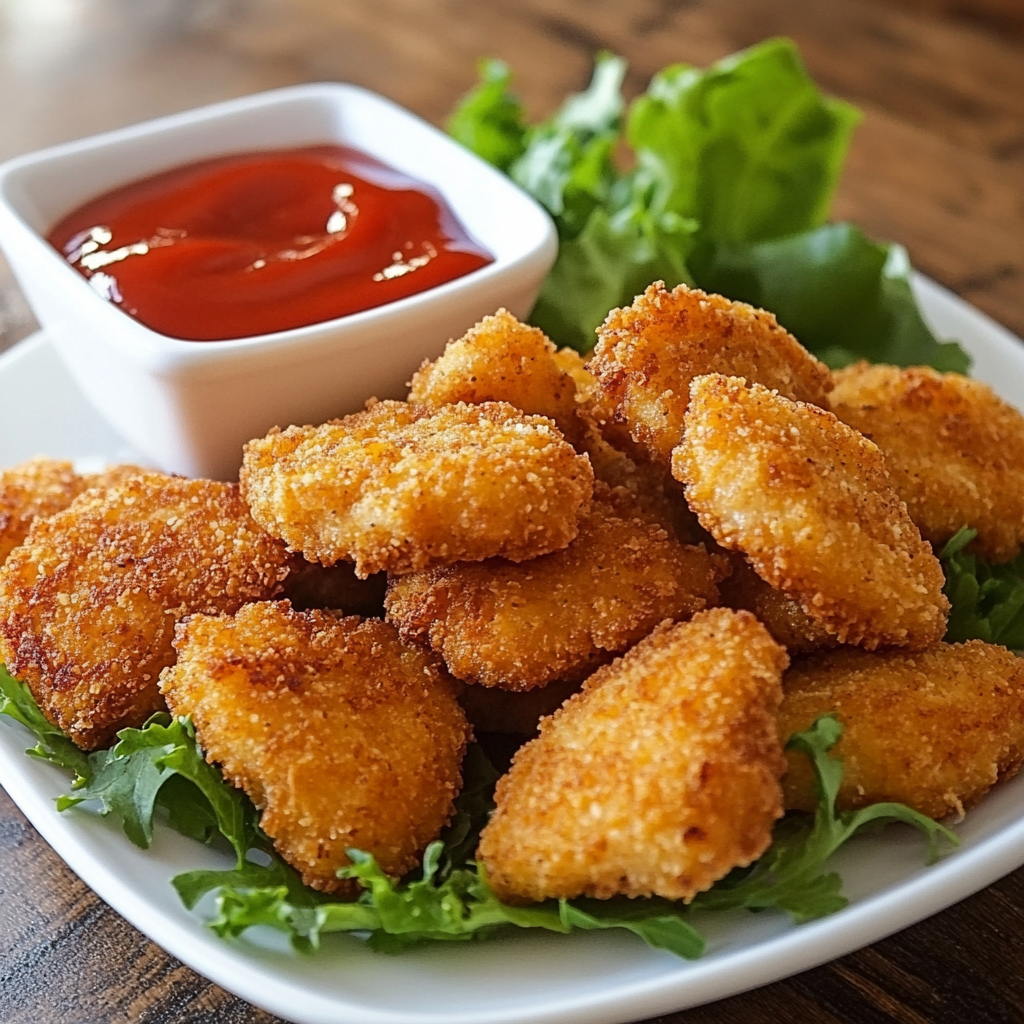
point(938, 164)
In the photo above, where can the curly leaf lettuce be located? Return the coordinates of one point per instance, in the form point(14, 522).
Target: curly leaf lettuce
point(750, 148)
point(987, 601)
point(733, 172)
point(451, 900)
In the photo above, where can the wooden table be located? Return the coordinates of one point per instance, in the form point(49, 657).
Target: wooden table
point(938, 164)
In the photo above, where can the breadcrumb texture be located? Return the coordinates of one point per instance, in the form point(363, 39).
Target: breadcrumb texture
point(496, 623)
point(391, 488)
point(808, 501)
point(934, 729)
point(787, 622)
point(88, 603)
point(955, 451)
point(342, 735)
point(647, 354)
point(658, 778)
point(501, 360)
point(32, 490)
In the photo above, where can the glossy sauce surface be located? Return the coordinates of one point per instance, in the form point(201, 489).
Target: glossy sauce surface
point(260, 242)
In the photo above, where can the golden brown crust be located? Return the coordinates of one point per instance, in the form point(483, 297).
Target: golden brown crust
point(341, 734)
point(393, 489)
point(787, 622)
point(954, 450)
point(561, 615)
point(88, 603)
point(648, 353)
point(657, 779)
point(807, 500)
point(501, 360)
point(31, 490)
point(933, 729)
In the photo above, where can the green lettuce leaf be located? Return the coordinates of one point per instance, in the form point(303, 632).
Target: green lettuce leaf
point(987, 601)
point(131, 780)
point(605, 266)
point(791, 876)
point(451, 899)
point(17, 702)
point(750, 147)
point(489, 120)
point(733, 171)
point(844, 296)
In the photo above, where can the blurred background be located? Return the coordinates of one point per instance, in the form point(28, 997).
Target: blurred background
point(938, 163)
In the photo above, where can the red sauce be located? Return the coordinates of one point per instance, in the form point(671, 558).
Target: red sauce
point(261, 242)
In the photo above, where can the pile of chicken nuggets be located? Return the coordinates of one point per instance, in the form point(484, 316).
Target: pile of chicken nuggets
point(651, 567)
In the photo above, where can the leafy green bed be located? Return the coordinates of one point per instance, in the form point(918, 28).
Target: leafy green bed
point(160, 766)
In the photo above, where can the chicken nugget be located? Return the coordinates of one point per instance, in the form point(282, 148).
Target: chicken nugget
point(32, 490)
point(342, 735)
point(391, 488)
point(559, 616)
point(808, 501)
point(88, 603)
point(933, 729)
point(955, 451)
point(501, 360)
point(658, 778)
point(787, 622)
point(647, 354)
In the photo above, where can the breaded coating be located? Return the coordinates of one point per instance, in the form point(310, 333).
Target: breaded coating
point(808, 501)
point(648, 353)
point(559, 616)
point(934, 729)
point(955, 451)
point(112, 475)
point(32, 490)
point(501, 360)
point(88, 603)
point(787, 622)
point(391, 488)
point(658, 778)
point(342, 735)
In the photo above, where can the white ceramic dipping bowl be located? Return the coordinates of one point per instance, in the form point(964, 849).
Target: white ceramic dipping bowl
point(190, 406)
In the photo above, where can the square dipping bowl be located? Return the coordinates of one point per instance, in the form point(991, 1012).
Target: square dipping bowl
point(189, 406)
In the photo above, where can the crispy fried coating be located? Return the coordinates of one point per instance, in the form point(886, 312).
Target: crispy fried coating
point(341, 734)
point(393, 489)
point(648, 353)
point(501, 360)
point(787, 622)
point(496, 623)
point(42, 487)
point(569, 361)
point(955, 451)
point(658, 778)
point(934, 729)
point(88, 603)
point(808, 501)
point(31, 490)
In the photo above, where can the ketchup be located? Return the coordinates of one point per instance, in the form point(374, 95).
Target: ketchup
point(260, 242)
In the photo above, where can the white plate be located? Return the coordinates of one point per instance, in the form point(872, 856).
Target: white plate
point(590, 978)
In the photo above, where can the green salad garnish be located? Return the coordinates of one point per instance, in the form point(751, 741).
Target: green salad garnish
point(161, 766)
point(730, 177)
